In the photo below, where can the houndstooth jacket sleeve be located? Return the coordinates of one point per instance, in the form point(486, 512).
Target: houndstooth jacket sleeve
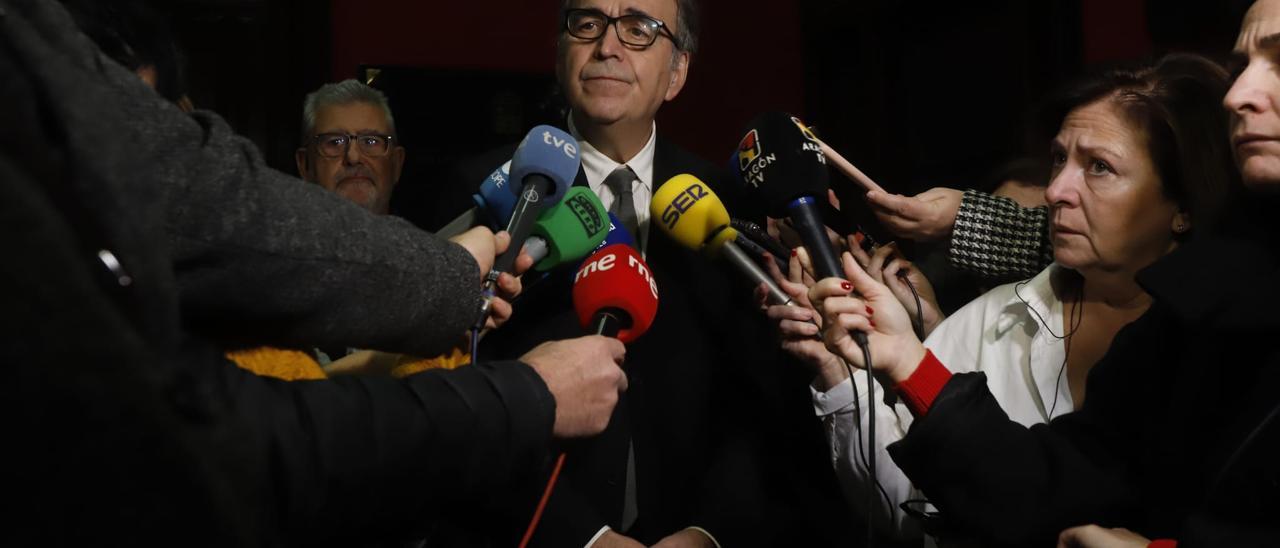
point(999, 240)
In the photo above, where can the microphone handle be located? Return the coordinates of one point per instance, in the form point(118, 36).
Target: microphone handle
point(807, 222)
point(461, 223)
point(739, 258)
point(609, 321)
point(528, 207)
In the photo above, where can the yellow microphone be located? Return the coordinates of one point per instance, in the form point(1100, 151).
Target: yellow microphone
point(688, 211)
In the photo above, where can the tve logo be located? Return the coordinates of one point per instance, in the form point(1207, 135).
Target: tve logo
point(681, 203)
point(570, 149)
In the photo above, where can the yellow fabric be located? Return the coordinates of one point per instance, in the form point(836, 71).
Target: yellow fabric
point(408, 365)
point(290, 365)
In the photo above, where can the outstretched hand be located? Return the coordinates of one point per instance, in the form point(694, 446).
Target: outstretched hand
point(925, 217)
point(890, 267)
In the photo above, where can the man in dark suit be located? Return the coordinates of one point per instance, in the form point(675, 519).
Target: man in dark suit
point(682, 462)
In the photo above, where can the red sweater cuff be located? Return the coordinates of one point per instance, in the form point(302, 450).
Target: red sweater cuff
point(924, 384)
point(1163, 543)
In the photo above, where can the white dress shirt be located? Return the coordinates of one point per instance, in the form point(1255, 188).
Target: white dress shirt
point(597, 167)
point(997, 334)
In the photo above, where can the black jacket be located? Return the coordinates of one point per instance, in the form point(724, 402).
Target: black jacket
point(1178, 437)
point(124, 423)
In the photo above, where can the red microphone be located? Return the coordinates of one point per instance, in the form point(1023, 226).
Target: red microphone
point(614, 293)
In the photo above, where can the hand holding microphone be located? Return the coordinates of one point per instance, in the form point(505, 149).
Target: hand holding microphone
point(484, 246)
point(877, 313)
point(585, 377)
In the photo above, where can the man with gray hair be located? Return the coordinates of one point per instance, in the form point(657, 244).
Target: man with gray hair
point(349, 144)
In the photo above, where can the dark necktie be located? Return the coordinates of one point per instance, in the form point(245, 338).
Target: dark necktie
point(619, 182)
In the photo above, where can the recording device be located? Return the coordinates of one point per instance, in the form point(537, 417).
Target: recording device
point(614, 293)
point(782, 165)
point(542, 169)
point(688, 211)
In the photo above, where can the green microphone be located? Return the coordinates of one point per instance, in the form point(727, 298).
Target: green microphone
point(569, 230)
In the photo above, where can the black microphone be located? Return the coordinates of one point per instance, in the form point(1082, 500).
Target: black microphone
point(782, 165)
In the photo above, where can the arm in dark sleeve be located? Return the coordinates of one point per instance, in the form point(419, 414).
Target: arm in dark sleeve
point(999, 240)
point(255, 252)
point(259, 252)
point(360, 458)
point(1012, 485)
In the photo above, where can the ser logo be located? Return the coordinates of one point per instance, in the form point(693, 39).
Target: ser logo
point(681, 203)
point(589, 216)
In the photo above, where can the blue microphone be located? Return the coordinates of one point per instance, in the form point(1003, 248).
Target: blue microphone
point(493, 205)
point(494, 198)
point(617, 235)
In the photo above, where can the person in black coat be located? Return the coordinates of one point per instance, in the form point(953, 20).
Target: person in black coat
point(139, 239)
point(1179, 437)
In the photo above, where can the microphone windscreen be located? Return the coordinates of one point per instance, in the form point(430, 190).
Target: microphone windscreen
point(571, 228)
point(549, 152)
point(688, 211)
point(780, 160)
point(495, 199)
point(616, 278)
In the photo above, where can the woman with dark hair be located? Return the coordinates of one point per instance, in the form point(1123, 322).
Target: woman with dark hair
point(1138, 167)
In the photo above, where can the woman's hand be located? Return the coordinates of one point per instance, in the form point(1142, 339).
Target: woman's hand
point(798, 323)
point(895, 350)
point(889, 266)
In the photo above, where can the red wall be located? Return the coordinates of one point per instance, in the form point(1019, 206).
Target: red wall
point(749, 61)
point(1114, 30)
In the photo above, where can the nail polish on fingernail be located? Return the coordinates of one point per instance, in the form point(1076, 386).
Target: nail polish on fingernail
point(793, 253)
point(873, 324)
point(870, 311)
point(858, 237)
point(846, 286)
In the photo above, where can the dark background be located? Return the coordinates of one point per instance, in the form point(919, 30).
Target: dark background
point(917, 94)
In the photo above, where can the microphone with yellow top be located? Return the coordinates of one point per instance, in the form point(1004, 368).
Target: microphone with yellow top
point(691, 214)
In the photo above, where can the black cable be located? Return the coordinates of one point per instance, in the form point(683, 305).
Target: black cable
point(1075, 318)
point(871, 441)
point(475, 344)
point(917, 323)
point(862, 450)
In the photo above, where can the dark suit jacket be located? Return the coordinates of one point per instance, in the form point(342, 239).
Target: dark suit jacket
point(706, 393)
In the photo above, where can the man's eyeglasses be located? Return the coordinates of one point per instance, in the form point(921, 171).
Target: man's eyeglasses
point(633, 29)
point(334, 145)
